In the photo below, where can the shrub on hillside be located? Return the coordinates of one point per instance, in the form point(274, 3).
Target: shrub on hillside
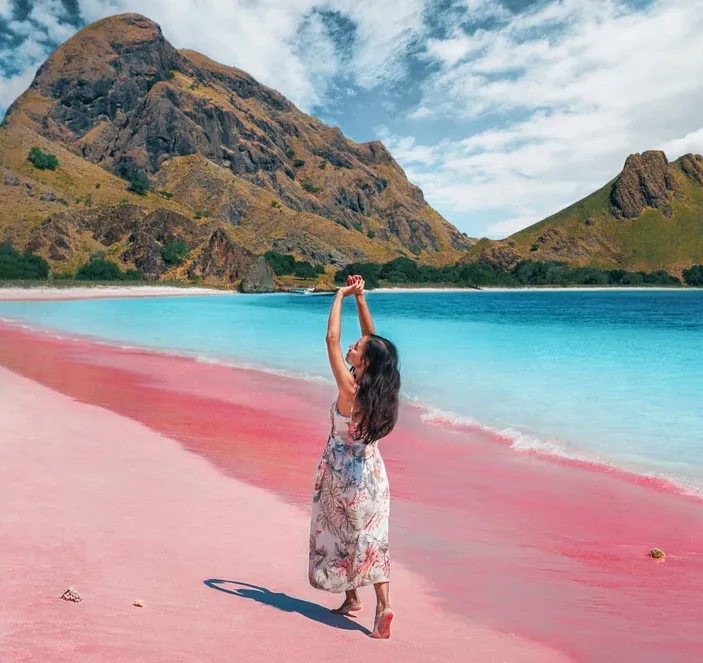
point(287, 264)
point(99, 270)
point(310, 187)
point(281, 264)
point(132, 275)
point(15, 265)
point(174, 253)
point(42, 160)
point(304, 270)
point(139, 183)
point(694, 276)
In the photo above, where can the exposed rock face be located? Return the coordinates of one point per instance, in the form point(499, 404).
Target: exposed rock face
point(145, 233)
point(222, 259)
point(119, 95)
point(259, 277)
point(646, 181)
point(313, 250)
point(502, 257)
point(692, 165)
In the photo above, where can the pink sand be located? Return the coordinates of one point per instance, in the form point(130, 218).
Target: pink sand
point(518, 557)
point(95, 500)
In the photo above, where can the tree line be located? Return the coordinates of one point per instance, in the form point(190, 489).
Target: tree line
point(404, 271)
point(401, 271)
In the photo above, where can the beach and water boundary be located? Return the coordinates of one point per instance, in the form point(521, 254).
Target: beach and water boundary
point(546, 372)
point(479, 522)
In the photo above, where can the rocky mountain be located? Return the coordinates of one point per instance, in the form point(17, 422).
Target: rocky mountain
point(235, 169)
point(649, 217)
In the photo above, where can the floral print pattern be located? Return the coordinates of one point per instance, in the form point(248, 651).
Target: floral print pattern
point(351, 506)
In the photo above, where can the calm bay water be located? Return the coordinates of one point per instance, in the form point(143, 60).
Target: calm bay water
point(614, 377)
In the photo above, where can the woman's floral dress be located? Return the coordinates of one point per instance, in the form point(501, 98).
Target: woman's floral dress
point(351, 506)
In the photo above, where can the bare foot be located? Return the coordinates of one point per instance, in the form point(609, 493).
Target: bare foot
point(382, 624)
point(349, 605)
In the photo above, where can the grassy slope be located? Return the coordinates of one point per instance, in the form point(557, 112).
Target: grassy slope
point(647, 243)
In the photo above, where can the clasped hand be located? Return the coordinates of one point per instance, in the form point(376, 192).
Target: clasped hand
point(355, 286)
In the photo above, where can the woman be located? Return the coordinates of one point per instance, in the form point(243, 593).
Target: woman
point(351, 503)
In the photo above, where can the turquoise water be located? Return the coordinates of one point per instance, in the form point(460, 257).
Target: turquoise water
point(614, 377)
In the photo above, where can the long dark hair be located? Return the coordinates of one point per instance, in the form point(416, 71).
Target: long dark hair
point(377, 393)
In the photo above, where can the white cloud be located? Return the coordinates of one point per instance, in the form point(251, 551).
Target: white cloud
point(692, 142)
point(562, 95)
point(12, 87)
point(500, 229)
point(421, 113)
point(405, 150)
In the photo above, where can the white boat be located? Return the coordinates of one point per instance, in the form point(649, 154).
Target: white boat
point(310, 291)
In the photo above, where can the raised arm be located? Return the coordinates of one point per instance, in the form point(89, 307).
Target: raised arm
point(342, 376)
point(365, 321)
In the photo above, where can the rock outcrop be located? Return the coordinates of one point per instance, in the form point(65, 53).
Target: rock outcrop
point(503, 257)
point(222, 259)
point(692, 166)
point(259, 278)
point(647, 180)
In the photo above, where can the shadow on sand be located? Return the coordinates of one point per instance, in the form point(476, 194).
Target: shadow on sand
point(285, 603)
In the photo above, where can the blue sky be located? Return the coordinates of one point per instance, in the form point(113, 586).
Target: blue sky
point(503, 111)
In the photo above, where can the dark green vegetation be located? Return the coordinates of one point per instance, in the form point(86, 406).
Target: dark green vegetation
point(174, 253)
point(103, 270)
point(42, 160)
point(139, 183)
point(310, 187)
point(404, 271)
point(287, 264)
point(14, 265)
point(694, 276)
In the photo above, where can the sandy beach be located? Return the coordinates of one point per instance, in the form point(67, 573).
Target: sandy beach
point(47, 293)
point(101, 502)
point(134, 475)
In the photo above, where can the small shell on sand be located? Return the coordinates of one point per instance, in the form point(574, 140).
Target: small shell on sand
point(71, 594)
point(655, 553)
point(138, 603)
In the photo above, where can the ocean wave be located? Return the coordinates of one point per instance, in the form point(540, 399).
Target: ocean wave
point(525, 442)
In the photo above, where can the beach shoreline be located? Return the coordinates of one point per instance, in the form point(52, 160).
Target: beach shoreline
point(523, 540)
point(536, 289)
point(51, 293)
point(59, 293)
